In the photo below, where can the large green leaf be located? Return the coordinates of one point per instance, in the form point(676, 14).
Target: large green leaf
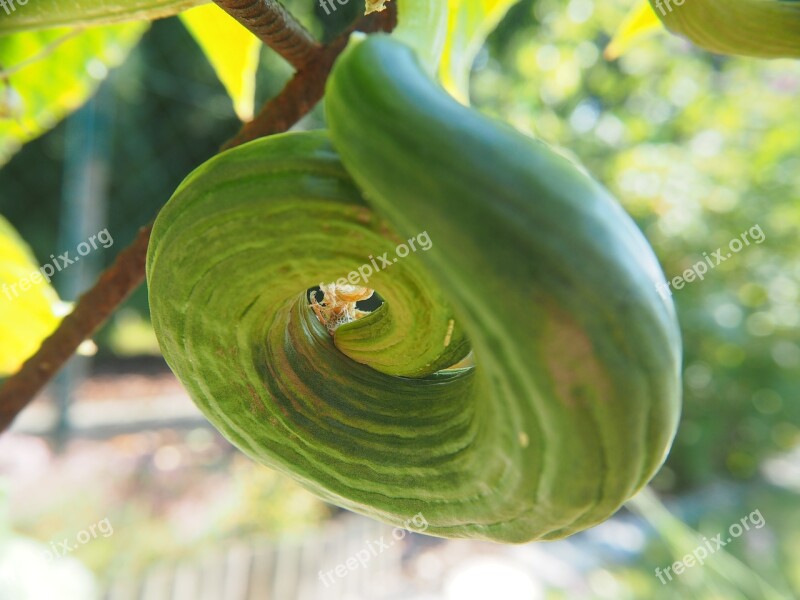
point(232, 51)
point(29, 307)
point(470, 21)
point(447, 35)
point(48, 74)
point(640, 23)
point(422, 25)
point(47, 14)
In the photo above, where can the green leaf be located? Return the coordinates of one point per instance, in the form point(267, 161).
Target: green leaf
point(470, 22)
point(448, 35)
point(47, 14)
point(45, 75)
point(640, 23)
point(232, 51)
point(29, 307)
point(422, 25)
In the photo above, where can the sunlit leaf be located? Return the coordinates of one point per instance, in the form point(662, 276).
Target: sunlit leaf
point(640, 23)
point(423, 26)
point(232, 51)
point(49, 14)
point(29, 306)
point(448, 35)
point(45, 75)
point(470, 21)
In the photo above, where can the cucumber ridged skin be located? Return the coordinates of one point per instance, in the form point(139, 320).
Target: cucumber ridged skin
point(578, 381)
point(576, 396)
point(756, 28)
point(229, 261)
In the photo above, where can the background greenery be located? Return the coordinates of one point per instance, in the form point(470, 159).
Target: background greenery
point(697, 147)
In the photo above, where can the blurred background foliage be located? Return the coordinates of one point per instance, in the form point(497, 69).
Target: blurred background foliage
point(698, 148)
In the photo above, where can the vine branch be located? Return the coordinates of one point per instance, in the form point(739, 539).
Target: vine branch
point(117, 282)
point(275, 26)
point(307, 86)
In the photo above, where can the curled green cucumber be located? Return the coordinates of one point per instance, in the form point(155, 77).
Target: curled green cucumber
point(575, 396)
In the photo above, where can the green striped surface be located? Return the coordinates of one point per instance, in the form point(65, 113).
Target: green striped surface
point(575, 397)
point(758, 28)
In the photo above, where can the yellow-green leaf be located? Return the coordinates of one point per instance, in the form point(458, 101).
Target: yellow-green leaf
point(48, 14)
point(231, 50)
point(640, 23)
point(447, 35)
point(29, 307)
point(423, 27)
point(45, 75)
point(470, 21)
